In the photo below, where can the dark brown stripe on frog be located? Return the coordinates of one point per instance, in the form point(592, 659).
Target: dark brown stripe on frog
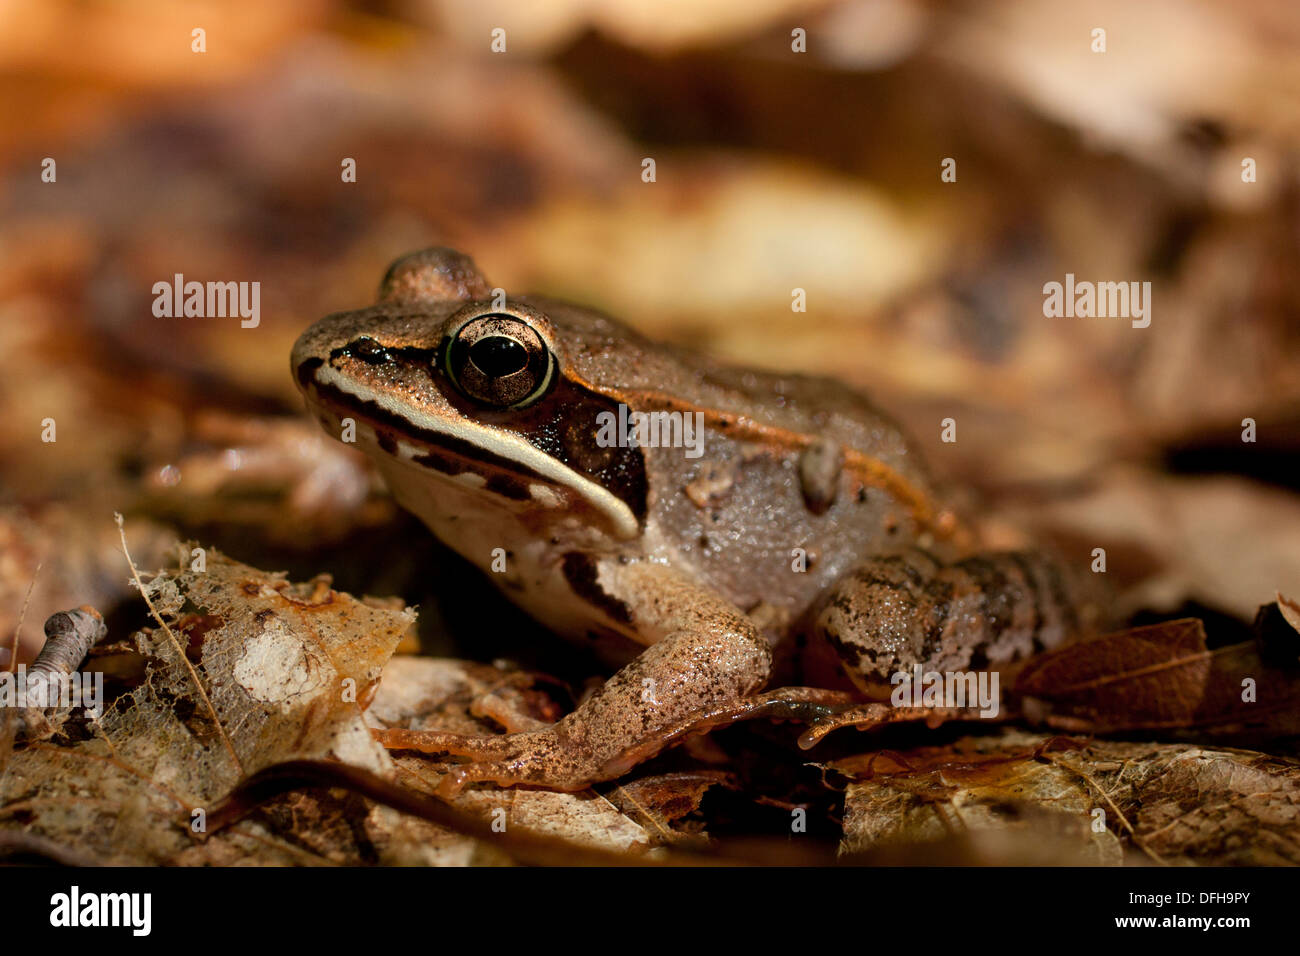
point(580, 571)
point(508, 486)
point(438, 442)
point(563, 425)
point(437, 461)
point(306, 371)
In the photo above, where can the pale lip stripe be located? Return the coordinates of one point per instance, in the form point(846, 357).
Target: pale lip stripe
point(500, 443)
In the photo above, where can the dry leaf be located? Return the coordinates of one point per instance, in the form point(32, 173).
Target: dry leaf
point(666, 803)
point(1161, 676)
point(282, 668)
point(1027, 800)
point(1147, 676)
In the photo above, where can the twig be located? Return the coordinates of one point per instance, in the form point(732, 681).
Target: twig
point(121, 530)
point(69, 636)
point(19, 842)
point(277, 779)
point(22, 614)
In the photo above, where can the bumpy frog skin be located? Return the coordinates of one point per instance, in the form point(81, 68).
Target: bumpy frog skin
point(808, 513)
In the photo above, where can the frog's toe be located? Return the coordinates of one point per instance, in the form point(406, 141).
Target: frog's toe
point(539, 758)
point(504, 773)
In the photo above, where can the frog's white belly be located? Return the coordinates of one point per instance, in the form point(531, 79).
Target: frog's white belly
point(528, 568)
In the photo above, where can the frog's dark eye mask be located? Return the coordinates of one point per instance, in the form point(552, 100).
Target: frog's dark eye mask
point(498, 360)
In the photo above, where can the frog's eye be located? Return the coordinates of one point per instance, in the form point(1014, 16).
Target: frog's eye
point(499, 360)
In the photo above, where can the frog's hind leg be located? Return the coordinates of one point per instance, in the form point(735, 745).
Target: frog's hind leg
point(706, 656)
point(895, 612)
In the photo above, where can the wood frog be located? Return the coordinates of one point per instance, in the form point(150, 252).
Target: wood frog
point(744, 511)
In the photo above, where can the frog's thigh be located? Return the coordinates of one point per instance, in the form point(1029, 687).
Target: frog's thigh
point(894, 612)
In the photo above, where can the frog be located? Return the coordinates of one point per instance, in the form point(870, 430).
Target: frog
point(758, 511)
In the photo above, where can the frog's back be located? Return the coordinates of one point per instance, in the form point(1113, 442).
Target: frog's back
point(796, 479)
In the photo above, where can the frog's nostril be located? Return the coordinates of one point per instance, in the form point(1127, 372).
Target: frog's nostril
point(369, 351)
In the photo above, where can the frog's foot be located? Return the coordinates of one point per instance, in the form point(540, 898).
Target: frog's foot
point(505, 709)
point(558, 758)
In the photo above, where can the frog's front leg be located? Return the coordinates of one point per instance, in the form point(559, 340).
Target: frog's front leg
point(895, 612)
point(703, 652)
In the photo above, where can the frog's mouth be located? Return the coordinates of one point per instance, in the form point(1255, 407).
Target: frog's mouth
point(464, 452)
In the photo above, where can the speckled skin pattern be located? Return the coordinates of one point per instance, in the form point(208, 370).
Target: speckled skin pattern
point(808, 513)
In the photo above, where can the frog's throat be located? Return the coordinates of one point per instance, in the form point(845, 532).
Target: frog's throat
point(472, 442)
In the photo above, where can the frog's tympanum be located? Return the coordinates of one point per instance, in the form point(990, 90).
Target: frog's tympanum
point(641, 493)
